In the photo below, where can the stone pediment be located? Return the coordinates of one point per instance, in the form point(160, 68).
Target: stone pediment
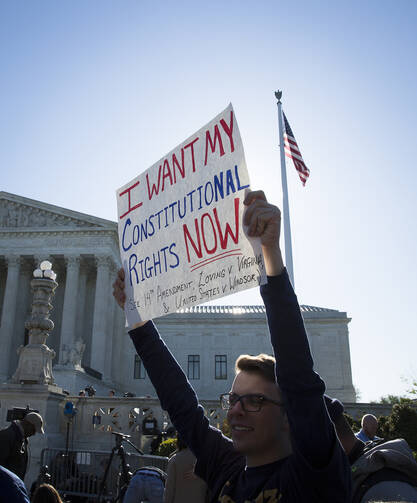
point(23, 214)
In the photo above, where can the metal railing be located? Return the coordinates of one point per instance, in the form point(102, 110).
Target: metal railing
point(80, 473)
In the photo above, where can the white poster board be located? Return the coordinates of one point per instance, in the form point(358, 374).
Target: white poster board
point(181, 236)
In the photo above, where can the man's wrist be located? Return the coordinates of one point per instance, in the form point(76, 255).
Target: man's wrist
point(138, 325)
point(274, 265)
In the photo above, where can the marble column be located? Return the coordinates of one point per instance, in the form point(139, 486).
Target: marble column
point(22, 313)
point(82, 296)
point(8, 313)
point(69, 311)
point(119, 373)
point(101, 301)
point(110, 323)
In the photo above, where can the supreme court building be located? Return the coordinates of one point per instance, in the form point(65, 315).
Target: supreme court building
point(89, 338)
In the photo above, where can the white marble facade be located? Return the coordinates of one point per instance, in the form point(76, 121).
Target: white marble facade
point(85, 255)
point(89, 337)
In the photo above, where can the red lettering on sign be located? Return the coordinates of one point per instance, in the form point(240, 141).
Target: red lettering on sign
point(217, 138)
point(155, 188)
point(217, 231)
point(228, 230)
point(127, 191)
point(166, 173)
point(176, 164)
point(204, 232)
point(191, 145)
point(228, 129)
point(187, 237)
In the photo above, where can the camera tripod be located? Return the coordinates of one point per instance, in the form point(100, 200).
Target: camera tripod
point(124, 476)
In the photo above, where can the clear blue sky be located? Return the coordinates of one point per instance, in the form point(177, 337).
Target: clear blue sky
point(93, 93)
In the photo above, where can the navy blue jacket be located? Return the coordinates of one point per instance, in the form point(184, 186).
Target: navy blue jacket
point(13, 450)
point(316, 472)
point(12, 489)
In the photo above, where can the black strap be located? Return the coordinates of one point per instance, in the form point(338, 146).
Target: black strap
point(383, 475)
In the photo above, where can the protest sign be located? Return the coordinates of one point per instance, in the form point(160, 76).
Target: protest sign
point(181, 236)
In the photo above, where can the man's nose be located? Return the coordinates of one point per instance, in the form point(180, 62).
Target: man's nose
point(237, 408)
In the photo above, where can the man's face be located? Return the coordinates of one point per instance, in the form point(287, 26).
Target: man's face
point(257, 434)
point(29, 429)
point(370, 425)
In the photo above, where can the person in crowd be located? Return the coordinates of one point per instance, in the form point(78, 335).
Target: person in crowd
point(12, 488)
point(353, 447)
point(46, 493)
point(155, 443)
point(385, 472)
point(112, 393)
point(81, 392)
point(150, 425)
point(369, 425)
point(90, 390)
point(14, 442)
point(182, 484)
point(284, 447)
point(147, 484)
point(44, 477)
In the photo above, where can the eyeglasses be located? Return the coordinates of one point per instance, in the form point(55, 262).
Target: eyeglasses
point(250, 403)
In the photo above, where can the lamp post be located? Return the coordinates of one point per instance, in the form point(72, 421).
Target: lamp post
point(35, 359)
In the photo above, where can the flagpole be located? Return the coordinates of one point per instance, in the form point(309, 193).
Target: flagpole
point(285, 205)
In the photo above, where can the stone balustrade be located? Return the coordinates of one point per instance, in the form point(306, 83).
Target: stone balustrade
point(96, 417)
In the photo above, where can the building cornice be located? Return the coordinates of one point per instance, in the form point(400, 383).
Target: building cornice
point(41, 232)
point(229, 314)
point(58, 210)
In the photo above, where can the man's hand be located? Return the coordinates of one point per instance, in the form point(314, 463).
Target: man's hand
point(264, 220)
point(119, 288)
point(120, 296)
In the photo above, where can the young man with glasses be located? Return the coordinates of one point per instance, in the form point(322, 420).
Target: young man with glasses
point(284, 446)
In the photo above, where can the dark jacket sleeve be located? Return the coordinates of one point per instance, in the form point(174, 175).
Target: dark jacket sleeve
point(6, 442)
point(312, 432)
point(174, 391)
point(13, 489)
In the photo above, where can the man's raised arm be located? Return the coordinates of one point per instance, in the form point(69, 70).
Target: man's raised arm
point(174, 391)
point(311, 430)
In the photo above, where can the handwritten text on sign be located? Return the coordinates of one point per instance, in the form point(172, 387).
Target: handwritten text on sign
point(181, 236)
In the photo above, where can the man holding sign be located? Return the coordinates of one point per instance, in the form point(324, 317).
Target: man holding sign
point(284, 447)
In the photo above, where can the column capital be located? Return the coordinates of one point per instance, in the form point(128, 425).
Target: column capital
point(72, 261)
point(103, 261)
point(113, 266)
point(13, 260)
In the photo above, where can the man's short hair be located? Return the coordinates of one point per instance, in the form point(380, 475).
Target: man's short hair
point(261, 364)
point(367, 417)
point(36, 421)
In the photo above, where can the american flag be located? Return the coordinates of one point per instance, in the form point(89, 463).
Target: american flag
point(292, 151)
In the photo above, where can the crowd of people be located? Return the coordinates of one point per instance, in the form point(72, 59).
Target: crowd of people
point(289, 441)
point(91, 391)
